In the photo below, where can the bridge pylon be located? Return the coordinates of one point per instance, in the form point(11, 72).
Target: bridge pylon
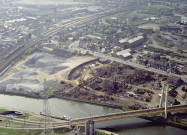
point(165, 87)
point(90, 127)
point(162, 94)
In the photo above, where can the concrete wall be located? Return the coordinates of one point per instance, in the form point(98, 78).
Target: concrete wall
point(79, 66)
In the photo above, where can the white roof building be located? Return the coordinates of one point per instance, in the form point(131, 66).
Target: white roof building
point(125, 53)
point(131, 40)
point(183, 19)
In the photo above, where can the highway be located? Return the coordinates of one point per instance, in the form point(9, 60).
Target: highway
point(35, 125)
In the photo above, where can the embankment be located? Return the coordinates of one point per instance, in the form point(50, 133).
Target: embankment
point(90, 102)
point(79, 66)
point(37, 96)
point(161, 120)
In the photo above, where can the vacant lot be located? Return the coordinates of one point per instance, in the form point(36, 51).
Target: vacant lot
point(29, 74)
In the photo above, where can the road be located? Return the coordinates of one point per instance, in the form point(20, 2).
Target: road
point(73, 23)
point(136, 65)
point(103, 117)
point(173, 49)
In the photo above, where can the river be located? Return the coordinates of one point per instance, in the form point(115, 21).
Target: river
point(128, 126)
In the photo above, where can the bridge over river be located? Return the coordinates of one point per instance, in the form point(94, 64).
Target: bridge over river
point(33, 125)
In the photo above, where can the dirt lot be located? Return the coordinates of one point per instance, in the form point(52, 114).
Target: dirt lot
point(29, 74)
point(150, 26)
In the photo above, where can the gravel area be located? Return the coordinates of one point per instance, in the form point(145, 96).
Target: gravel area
point(29, 74)
point(46, 63)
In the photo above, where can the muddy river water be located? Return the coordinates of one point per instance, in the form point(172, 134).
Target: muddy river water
point(128, 126)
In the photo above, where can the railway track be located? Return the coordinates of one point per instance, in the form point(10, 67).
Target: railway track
point(7, 62)
point(35, 125)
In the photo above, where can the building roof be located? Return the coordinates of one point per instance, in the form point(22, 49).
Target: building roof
point(183, 19)
point(131, 40)
point(124, 53)
point(173, 79)
point(123, 41)
point(135, 39)
point(184, 69)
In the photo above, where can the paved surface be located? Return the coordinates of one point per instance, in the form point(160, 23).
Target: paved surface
point(121, 115)
point(73, 23)
point(105, 117)
point(100, 55)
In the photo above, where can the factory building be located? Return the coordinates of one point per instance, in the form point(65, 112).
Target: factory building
point(133, 41)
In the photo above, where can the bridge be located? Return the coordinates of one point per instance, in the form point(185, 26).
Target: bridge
point(120, 115)
point(36, 125)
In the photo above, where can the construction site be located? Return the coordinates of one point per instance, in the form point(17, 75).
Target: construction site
point(115, 84)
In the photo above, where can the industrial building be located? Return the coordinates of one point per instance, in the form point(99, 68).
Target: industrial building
point(132, 42)
point(125, 53)
point(183, 19)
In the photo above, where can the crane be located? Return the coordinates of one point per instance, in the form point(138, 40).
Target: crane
point(115, 83)
point(81, 79)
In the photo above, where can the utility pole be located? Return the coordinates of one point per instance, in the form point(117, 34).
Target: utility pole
point(46, 113)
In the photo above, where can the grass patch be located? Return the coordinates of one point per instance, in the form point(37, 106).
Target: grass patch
point(126, 108)
point(167, 52)
point(179, 123)
point(61, 131)
point(141, 22)
point(54, 88)
point(6, 131)
point(140, 15)
point(34, 118)
point(101, 133)
point(184, 95)
point(13, 123)
point(2, 110)
point(162, 41)
point(30, 132)
point(155, 114)
point(24, 116)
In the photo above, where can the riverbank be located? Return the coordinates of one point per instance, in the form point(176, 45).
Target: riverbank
point(79, 110)
point(37, 96)
point(29, 95)
point(168, 122)
point(90, 102)
point(104, 132)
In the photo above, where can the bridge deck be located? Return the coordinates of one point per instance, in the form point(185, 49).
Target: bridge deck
point(128, 114)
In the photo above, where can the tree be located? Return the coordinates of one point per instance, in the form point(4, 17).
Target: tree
point(109, 21)
point(148, 55)
point(110, 31)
